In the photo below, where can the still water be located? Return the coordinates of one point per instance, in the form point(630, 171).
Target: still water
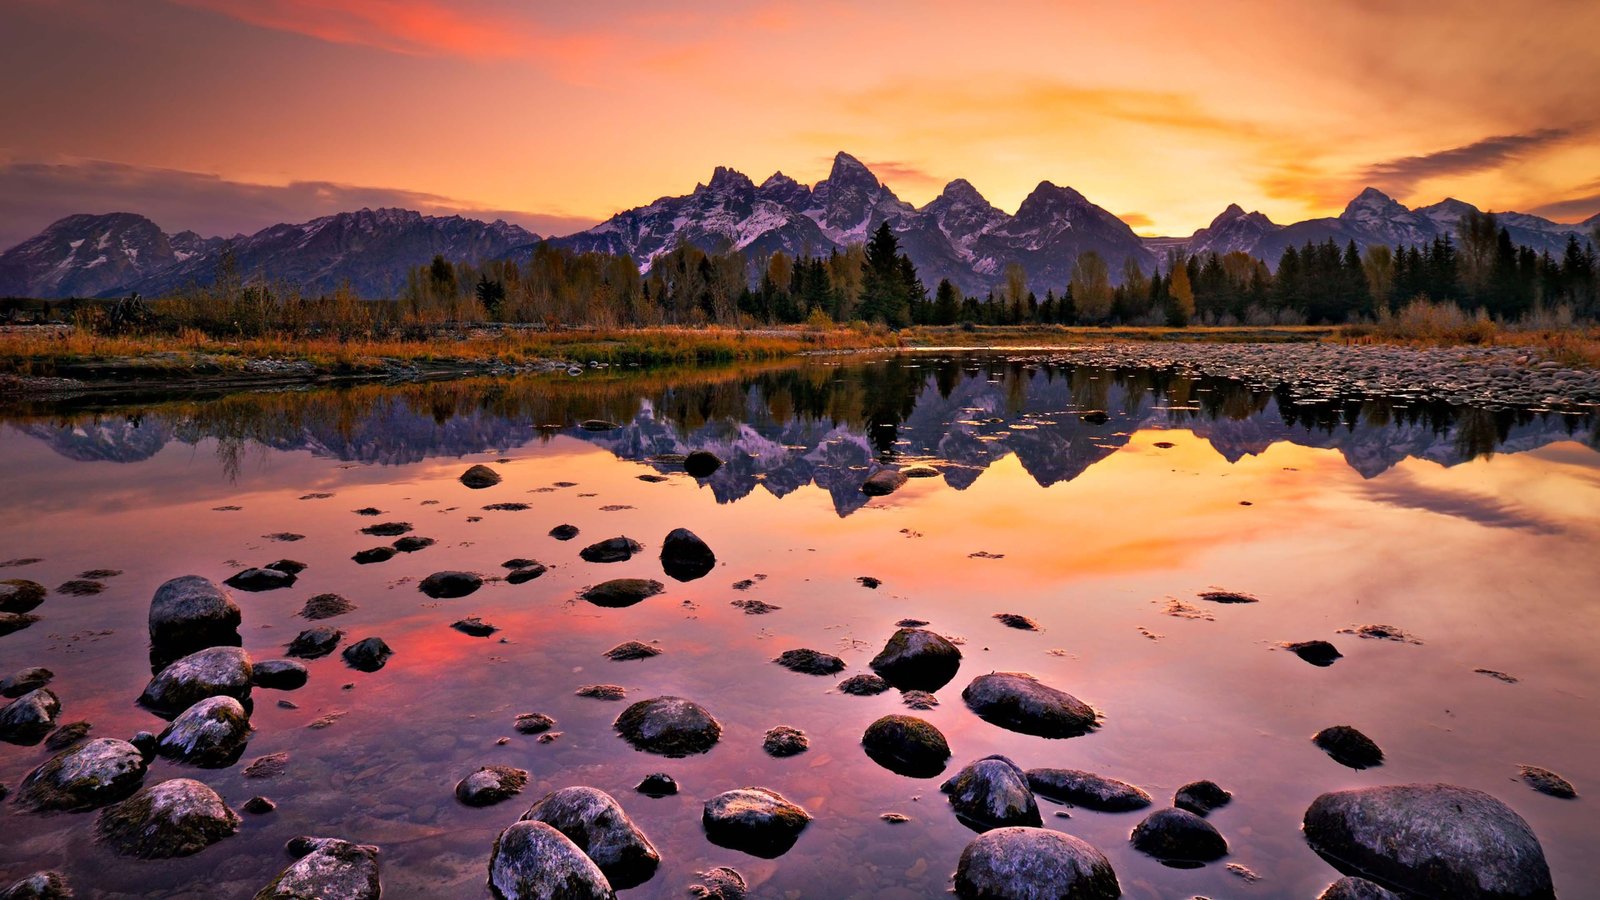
point(1473, 530)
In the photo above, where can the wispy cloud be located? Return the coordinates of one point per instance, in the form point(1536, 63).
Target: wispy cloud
point(1136, 219)
point(895, 172)
point(1401, 175)
point(1488, 511)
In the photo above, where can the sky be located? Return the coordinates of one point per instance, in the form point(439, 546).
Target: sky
point(225, 116)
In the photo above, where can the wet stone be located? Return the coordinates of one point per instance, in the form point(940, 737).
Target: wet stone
point(67, 735)
point(631, 650)
point(785, 741)
point(1348, 888)
point(491, 784)
point(326, 869)
point(754, 607)
point(525, 574)
point(175, 818)
point(882, 483)
point(80, 587)
point(449, 585)
point(92, 774)
point(326, 606)
point(610, 692)
point(906, 745)
point(1021, 703)
point(1547, 782)
point(258, 805)
point(387, 529)
point(474, 626)
point(270, 766)
point(685, 557)
point(1228, 597)
point(611, 550)
point(1177, 835)
point(210, 734)
point(13, 622)
point(864, 685)
point(19, 595)
point(564, 532)
point(1317, 653)
point(367, 655)
point(533, 723)
point(810, 662)
point(191, 613)
point(719, 883)
point(315, 643)
point(658, 784)
point(412, 543)
point(868, 582)
point(479, 477)
point(1012, 620)
point(669, 726)
point(1087, 790)
point(533, 861)
point(260, 579)
point(24, 680)
point(38, 886)
point(1201, 797)
point(597, 824)
point(701, 463)
point(914, 659)
point(992, 793)
point(1022, 863)
point(623, 592)
point(754, 820)
point(1349, 747)
point(215, 671)
point(27, 719)
point(374, 555)
point(919, 700)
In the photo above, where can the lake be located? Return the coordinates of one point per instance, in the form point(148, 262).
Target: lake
point(1099, 503)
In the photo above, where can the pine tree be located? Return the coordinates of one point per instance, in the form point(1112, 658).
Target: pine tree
point(884, 296)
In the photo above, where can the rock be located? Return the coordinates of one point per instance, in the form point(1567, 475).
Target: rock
point(1095, 417)
point(1437, 840)
point(19, 595)
point(259, 805)
point(1348, 747)
point(719, 883)
point(67, 735)
point(596, 823)
point(598, 425)
point(1547, 782)
point(480, 477)
point(315, 643)
point(1087, 790)
point(611, 550)
point(1020, 703)
point(524, 574)
point(658, 784)
point(192, 613)
point(809, 662)
point(869, 582)
point(374, 555)
point(919, 700)
point(882, 483)
point(24, 680)
point(326, 869)
point(670, 726)
point(1228, 597)
point(39, 886)
point(623, 592)
point(80, 587)
point(1021, 863)
point(146, 742)
point(1019, 622)
point(685, 557)
point(261, 579)
point(533, 723)
point(864, 685)
point(213, 672)
point(1177, 835)
point(180, 817)
point(992, 793)
point(11, 622)
point(387, 529)
point(631, 650)
point(1348, 888)
point(564, 532)
point(491, 784)
point(367, 655)
point(785, 741)
point(533, 861)
point(412, 543)
point(1201, 797)
point(326, 606)
point(701, 463)
point(211, 734)
point(474, 626)
point(270, 766)
point(1318, 653)
point(754, 820)
point(906, 745)
point(87, 776)
point(915, 659)
point(448, 585)
point(279, 674)
point(920, 471)
point(602, 691)
point(27, 719)
point(754, 607)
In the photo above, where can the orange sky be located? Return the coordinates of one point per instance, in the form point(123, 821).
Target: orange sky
point(212, 112)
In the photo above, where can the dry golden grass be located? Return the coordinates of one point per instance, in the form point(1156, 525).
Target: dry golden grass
point(1425, 324)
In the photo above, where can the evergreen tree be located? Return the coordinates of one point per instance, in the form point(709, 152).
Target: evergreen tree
point(884, 297)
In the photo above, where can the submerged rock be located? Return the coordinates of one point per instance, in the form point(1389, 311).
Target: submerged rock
point(211, 733)
point(701, 463)
point(480, 477)
point(13, 622)
point(1019, 622)
point(906, 745)
point(623, 592)
point(670, 726)
point(367, 655)
point(524, 574)
point(387, 529)
point(491, 784)
point(920, 471)
point(213, 672)
point(594, 821)
point(685, 557)
point(1201, 797)
point(533, 723)
point(809, 662)
point(261, 579)
point(66, 735)
point(1348, 888)
point(863, 685)
point(1228, 597)
point(448, 585)
point(882, 483)
point(87, 776)
point(611, 550)
point(1349, 747)
point(992, 793)
point(1547, 782)
point(19, 595)
point(785, 740)
point(602, 691)
point(412, 543)
point(1430, 839)
point(27, 719)
point(326, 869)
point(564, 532)
point(1019, 702)
point(915, 659)
point(533, 861)
point(1177, 835)
point(191, 613)
point(631, 650)
point(326, 606)
point(1318, 653)
point(374, 555)
point(754, 820)
point(24, 680)
point(474, 626)
point(39, 886)
point(1087, 790)
point(279, 674)
point(259, 805)
point(315, 643)
point(719, 883)
point(657, 784)
point(180, 817)
point(1021, 863)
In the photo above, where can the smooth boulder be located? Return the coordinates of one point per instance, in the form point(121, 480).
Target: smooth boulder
point(611, 550)
point(27, 719)
point(180, 817)
point(24, 680)
point(38, 886)
point(279, 674)
point(479, 477)
point(491, 784)
point(1177, 835)
point(916, 659)
point(326, 869)
point(19, 595)
point(883, 482)
point(315, 642)
point(594, 821)
point(701, 463)
point(1021, 863)
point(619, 593)
point(685, 557)
point(1349, 747)
point(992, 793)
point(191, 613)
point(213, 672)
point(211, 734)
point(1019, 702)
point(84, 777)
point(367, 655)
point(449, 585)
point(906, 745)
point(669, 726)
point(1348, 888)
point(533, 861)
point(754, 820)
point(1087, 790)
point(1430, 839)
point(1201, 797)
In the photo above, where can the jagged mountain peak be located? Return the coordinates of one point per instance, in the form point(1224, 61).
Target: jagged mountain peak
point(962, 191)
point(725, 180)
point(1372, 201)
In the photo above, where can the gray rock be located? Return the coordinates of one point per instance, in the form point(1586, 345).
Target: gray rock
point(1348, 747)
point(213, 672)
point(66, 735)
point(27, 719)
point(1318, 653)
point(611, 550)
point(1021, 863)
point(882, 482)
point(84, 777)
point(863, 685)
point(1201, 797)
point(810, 662)
point(1348, 888)
point(785, 740)
point(754, 820)
point(533, 861)
point(1087, 790)
point(367, 655)
point(278, 674)
point(448, 585)
point(326, 606)
point(594, 821)
point(261, 579)
point(719, 883)
point(191, 613)
point(1177, 835)
point(1020, 703)
point(914, 659)
point(670, 726)
point(474, 627)
point(1430, 839)
point(685, 557)
point(525, 574)
point(622, 592)
point(632, 650)
point(480, 477)
point(701, 463)
point(39, 886)
point(533, 723)
point(491, 784)
point(992, 793)
point(24, 680)
point(180, 817)
point(19, 595)
point(326, 869)
point(315, 642)
point(906, 745)
point(1547, 782)
point(211, 734)
point(658, 784)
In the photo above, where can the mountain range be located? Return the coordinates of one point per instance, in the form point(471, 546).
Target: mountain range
point(958, 235)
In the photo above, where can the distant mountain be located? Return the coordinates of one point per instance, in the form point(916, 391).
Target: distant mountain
point(371, 250)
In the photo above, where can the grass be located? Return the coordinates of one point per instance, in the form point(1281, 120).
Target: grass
point(1423, 324)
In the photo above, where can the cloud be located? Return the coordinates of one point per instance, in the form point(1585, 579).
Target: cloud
point(1490, 512)
point(34, 194)
point(1573, 209)
point(1136, 219)
point(1401, 175)
point(891, 171)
